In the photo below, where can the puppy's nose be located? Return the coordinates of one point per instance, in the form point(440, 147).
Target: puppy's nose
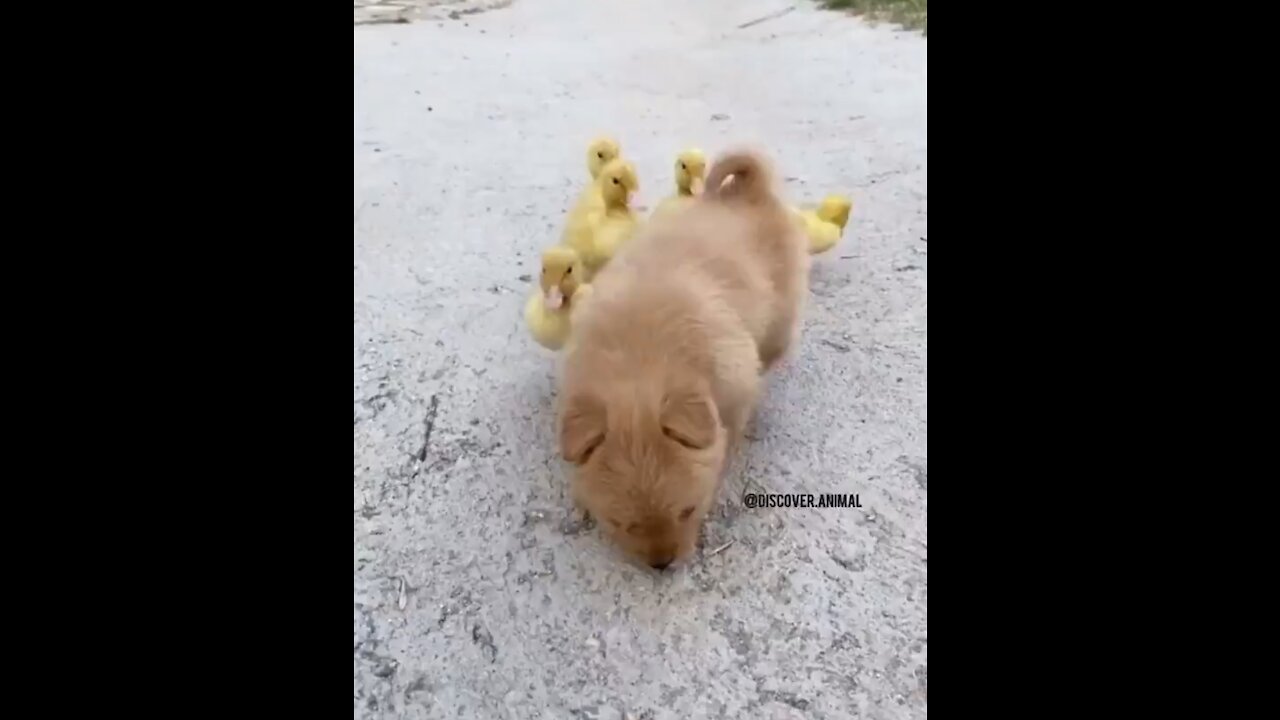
point(660, 564)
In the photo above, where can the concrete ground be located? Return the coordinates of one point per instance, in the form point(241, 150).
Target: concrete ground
point(479, 593)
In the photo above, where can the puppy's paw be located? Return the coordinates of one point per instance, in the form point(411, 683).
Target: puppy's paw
point(577, 522)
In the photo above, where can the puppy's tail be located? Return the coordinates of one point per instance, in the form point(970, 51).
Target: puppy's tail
point(752, 177)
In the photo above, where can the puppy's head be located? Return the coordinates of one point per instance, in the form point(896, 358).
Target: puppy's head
point(647, 468)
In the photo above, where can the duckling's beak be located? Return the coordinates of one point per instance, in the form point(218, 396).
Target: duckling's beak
point(554, 298)
point(696, 186)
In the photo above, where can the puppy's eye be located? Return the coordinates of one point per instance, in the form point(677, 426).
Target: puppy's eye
point(686, 513)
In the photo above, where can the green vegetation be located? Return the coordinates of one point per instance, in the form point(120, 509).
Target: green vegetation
point(907, 13)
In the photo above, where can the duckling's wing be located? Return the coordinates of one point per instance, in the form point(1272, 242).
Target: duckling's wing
point(611, 235)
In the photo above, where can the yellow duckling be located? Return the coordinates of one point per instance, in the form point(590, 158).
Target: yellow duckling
point(691, 169)
point(561, 287)
point(825, 225)
point(597, 235)
point(602, 151)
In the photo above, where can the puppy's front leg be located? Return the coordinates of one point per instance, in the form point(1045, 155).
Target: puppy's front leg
point(738, 407)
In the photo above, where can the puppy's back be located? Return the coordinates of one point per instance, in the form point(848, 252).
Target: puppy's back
point(732, 257)
point(742, 182)
point(741, 176)
point(696, 257)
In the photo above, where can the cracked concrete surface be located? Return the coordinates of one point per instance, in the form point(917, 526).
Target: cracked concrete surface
point(479, 592)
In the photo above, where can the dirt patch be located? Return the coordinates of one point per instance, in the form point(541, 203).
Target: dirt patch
point(382, 12)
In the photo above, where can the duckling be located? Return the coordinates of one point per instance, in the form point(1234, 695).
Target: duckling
point(691, 168)
point(600, 152)
point(597, 235)
point(825, 225)
point(561, 287)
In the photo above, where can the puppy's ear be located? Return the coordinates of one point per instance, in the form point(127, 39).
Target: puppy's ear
point(582, 424)
point(690, 418)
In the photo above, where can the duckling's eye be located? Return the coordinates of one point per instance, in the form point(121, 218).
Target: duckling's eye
point(684, 514)
point(600, 155)
point(569, 271)
point(682, 167)
point(615, 181)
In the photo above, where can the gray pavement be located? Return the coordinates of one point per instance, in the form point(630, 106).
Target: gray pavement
point(478, 591)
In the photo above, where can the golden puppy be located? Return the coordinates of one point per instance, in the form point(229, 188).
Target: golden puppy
point(663, 369)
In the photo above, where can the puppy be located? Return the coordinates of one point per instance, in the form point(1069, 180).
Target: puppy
point(663, 369)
